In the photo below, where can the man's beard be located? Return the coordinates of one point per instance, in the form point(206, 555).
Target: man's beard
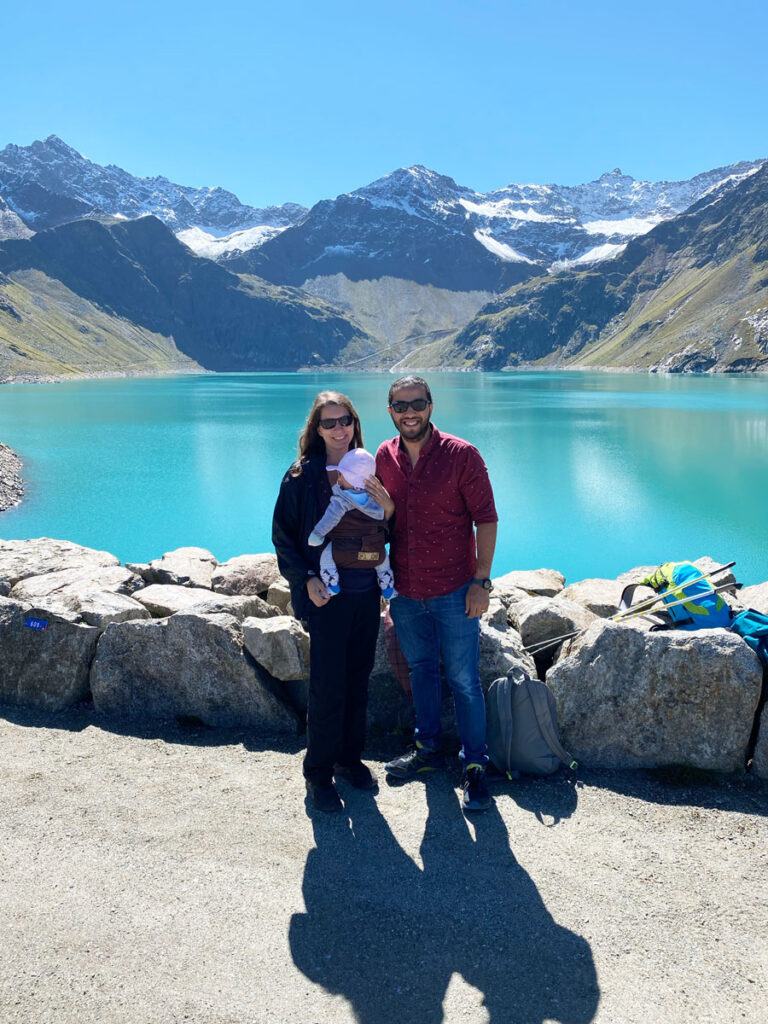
point(421, 434)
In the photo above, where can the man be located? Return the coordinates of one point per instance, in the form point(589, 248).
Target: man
point(436, 490)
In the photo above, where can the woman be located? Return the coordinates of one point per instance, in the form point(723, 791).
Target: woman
point(342, 631)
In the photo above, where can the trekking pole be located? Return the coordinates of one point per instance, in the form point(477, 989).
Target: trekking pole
point(674, 604)
point(540, 645)
point(637, 611)
point(670, 591)
point(644, 605)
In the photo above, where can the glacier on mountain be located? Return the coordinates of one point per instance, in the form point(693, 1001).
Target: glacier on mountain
point(49, 183)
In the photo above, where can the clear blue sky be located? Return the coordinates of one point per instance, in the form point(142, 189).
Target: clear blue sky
point(301, 100)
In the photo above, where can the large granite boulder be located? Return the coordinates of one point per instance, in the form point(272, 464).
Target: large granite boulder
point(543, 620)
point(628, 697)
point(501, 649)
point(279, 594)
point(75, 583)
point(534, 582)
point(496, 615)
point(280, 645)
point(162, 599)
point(709, 565)
point(242, 606)
point(246, 574)
point(600, 596)
point(43, 667)
point(184, 567)
point(185, 665)
point(166, 599)
point(22, 558)
point(755, 597)
point(99, 607)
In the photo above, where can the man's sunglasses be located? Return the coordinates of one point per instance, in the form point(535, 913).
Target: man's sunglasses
point(418, 405)
point(343, 421)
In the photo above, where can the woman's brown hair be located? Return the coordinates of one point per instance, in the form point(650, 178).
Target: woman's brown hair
point(310, 442)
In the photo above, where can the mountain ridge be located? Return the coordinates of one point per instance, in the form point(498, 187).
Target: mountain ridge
point(677, 299)
point(137, 273)
point(49, 182)
point(412, 267)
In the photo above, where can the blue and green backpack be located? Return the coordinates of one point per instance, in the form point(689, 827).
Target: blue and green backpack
point(688, 590)
point(695, 605)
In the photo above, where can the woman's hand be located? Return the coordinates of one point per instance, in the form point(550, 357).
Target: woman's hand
point(318, 595)
point(376, 490)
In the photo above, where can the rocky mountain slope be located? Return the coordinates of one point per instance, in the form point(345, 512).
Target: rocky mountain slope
point(49, 183)
point(420, 227)
point(145, 288)
point(11, 225)
point(413, 269)
point(691, 295)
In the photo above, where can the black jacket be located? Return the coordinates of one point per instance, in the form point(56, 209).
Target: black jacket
point(296, 512)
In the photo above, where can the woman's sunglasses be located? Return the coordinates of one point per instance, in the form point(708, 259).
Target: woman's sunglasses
point(343, 421)
point(418, 405)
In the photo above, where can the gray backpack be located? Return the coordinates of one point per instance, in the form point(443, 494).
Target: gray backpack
point(522, 727)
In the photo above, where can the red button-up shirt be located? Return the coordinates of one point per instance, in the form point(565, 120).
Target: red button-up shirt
point(437, 503)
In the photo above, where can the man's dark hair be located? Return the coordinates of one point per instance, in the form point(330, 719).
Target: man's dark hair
point(409, 382)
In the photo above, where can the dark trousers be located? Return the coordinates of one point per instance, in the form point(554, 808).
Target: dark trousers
point(342, 649)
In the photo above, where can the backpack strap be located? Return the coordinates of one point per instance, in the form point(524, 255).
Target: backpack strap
point(626, 596)
point(540, 706)
point(504, 700)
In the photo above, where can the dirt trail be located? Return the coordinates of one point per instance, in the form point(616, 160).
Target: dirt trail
point(176, 875)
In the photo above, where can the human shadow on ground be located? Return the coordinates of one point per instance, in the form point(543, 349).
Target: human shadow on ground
point(554, 798)
point(184, 730)
point(551, 799)
point(388, 935)
point(684, 786)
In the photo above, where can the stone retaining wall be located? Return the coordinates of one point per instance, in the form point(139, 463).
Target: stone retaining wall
point(185, 636)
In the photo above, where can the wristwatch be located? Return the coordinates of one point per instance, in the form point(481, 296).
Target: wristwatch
point(485, 584)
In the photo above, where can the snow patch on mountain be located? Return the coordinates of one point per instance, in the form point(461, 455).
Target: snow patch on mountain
point(11, 225)
point(598, 254)
point(629, 226)
point(505, 252)
point(204, 244)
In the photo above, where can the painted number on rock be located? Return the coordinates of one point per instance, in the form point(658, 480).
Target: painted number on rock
point(36, 623)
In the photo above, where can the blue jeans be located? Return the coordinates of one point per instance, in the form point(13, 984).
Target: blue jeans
point(426, 629)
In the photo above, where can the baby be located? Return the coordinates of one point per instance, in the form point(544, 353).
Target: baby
point(355, 524)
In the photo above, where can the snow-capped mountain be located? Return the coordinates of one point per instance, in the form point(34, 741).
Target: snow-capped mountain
point(49, 183)
point(422, 226)
point(590, 222)
point(397, 222)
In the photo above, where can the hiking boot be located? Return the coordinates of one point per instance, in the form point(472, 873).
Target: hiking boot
point(474, 789)
point(324, 796)
point(416, 761)
point(358, 775)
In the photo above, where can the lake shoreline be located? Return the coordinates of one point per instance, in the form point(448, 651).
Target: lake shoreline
point(11, 486)
point(63, 378)
point(31, 378)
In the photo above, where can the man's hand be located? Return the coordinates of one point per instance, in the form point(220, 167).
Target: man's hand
point(376, 490)
point(318, 595)
point(478, 599)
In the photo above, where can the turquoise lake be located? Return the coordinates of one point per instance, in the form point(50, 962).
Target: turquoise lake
point(593, 473)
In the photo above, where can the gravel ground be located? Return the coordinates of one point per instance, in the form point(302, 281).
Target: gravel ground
point(178, 875)
point(11, 489)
